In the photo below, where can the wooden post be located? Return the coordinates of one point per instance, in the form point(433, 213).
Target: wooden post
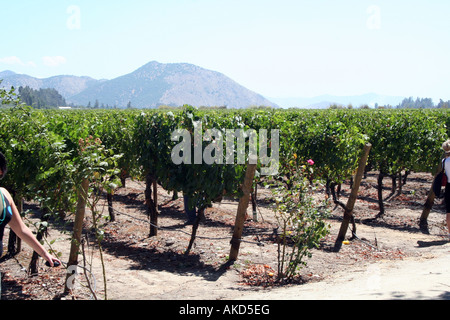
point(253, 199)
point(348, 212)
point(151, 205)
point(77, 228)
point(241, 211)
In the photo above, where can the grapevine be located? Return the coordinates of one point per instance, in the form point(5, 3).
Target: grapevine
point(45, 163)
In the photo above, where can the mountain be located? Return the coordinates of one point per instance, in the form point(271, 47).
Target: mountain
point(67, 86)
point(324, 101)
point(153, 84)
point(172, 84)
point(6, 73)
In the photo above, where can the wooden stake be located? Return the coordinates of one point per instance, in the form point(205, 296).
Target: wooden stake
point(151, 205)
point(241, 211)
point(348, 212)
point(77, 228)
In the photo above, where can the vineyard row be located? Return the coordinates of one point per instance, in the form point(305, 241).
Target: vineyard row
point(50, 152)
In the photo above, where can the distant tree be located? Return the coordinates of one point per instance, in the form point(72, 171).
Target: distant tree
point(419, 103)
point(443, 104)
point(335, 106)
point(42, 98)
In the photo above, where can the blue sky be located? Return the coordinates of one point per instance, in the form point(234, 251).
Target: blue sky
point(282, 48)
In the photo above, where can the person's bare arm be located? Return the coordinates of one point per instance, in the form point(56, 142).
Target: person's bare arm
point(23, 232)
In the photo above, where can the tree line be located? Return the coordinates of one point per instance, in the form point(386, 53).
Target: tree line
point(51, 98)
point(42, 98)
point(422, 103)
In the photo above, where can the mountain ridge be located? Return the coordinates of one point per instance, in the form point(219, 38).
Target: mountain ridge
point(176, 84)
point(149, 86)
point(66, 85)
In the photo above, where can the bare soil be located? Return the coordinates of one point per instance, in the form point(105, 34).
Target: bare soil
point(142, 268)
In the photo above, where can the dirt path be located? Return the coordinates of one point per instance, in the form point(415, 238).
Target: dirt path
point(424, 278)
point(391, 259)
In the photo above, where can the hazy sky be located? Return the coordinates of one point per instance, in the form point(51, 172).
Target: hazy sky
point(282, 48)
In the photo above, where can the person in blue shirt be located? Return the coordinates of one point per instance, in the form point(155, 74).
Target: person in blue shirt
point(9, 215)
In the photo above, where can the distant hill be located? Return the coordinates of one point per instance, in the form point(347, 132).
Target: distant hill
point(67, 86)
point(153, 84)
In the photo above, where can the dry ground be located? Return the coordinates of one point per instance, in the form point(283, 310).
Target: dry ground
point(139, 267)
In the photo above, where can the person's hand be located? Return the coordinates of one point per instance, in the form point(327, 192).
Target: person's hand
point(51, 260)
